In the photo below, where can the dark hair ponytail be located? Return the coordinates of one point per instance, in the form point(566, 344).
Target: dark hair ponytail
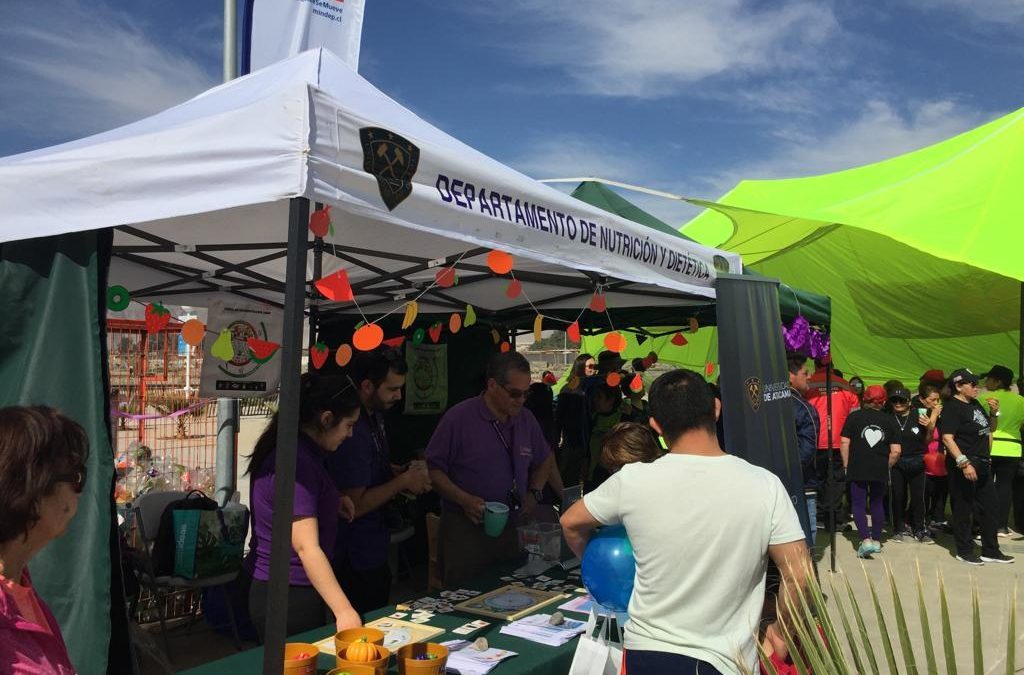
point(334, 393)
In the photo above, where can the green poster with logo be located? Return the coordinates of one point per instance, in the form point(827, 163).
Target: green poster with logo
point(426, 385)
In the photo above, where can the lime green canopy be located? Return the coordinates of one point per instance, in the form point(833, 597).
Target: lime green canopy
point(922, 254)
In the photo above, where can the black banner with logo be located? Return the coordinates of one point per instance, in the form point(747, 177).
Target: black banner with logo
point(756, 411)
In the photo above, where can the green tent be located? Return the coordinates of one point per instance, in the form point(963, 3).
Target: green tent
point(922, 254)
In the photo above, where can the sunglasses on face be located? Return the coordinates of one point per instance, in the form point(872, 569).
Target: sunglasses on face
point(515, 394)
point(590, 367)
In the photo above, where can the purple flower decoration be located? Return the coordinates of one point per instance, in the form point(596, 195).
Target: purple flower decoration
point(821, 343)
point(798, 335)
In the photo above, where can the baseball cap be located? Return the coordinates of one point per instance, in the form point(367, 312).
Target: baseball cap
point(1001, 373)
point(900, 392)
point(962, 376)
point(934, 375)
point(875, 394)
point(609, 362)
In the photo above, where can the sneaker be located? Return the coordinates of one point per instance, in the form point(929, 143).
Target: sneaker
point(970, 559)
point(1004, 532)
point(907, 531)
point(897, 538)
point(924, 538)
point(865, 550)
point(1000, 558)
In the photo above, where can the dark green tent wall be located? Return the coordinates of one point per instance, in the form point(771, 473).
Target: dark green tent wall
point(52, 353)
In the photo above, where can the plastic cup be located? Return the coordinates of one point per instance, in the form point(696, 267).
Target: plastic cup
point(922, 412)
point(495, 518)
point(300, 658)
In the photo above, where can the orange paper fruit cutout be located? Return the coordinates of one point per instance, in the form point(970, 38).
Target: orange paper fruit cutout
point(455, 323)
point(320, 222)
point(573, 332)
point(615, 342)
point(343, 355)
point(445, 277)
point(515, 287)
point(368, 337)
point(335, 287)
point(636, 385)
point(318, 355)
point(505, 347)
point(193, 331)
point(499, 262)
point(678, 340)
point(435, 332)
point(613, 379)
point(538, 326)
point(694, 324)
point(597, 303)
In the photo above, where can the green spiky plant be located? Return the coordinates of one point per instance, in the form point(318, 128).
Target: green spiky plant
point(825, 651)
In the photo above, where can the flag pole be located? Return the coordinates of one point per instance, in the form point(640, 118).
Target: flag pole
point(230, 40)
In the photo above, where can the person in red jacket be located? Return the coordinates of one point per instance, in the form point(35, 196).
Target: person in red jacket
point(844, 401)
point(42, 473)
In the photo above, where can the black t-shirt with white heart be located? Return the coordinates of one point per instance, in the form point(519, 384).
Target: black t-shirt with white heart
point(912, 441)
point(968, 425)
point(871, 432)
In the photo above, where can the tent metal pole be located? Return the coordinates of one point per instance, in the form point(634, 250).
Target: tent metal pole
point(830, 483)
point(318, 271)
point(287, 437)
point(230, 40)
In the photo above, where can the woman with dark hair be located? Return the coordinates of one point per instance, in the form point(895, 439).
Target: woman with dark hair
point(572, 421)
point(936, 488)
point(907, 477)
point(328, 408)
point(42, 474)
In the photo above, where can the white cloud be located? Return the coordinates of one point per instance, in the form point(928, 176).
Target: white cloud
point(78, 68)
point(1006, 12)
point(652, 48)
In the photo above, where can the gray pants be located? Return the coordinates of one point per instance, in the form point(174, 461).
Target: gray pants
point(467, 551)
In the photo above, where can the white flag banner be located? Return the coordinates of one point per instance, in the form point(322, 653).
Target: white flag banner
point(242, 349)
point(283, 28)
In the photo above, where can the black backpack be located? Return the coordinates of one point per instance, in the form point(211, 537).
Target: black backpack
point(163, 545)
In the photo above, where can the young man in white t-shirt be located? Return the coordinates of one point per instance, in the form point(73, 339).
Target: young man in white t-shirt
point(703, 525)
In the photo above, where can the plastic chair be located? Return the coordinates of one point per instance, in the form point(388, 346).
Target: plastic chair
point(148, 510)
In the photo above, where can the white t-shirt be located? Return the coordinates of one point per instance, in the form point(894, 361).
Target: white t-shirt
point(700, 529)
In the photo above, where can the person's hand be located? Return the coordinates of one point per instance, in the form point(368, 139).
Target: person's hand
point(473, 507)
point(416, 480)
point(346, 508)
point(993, 405)
point(525, 514)
point(924, 420)
point(970, 474)
point(773, 634)
point(348, 618)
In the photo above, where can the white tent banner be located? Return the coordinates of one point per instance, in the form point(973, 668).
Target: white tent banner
point(283, 28)
point(232, 366)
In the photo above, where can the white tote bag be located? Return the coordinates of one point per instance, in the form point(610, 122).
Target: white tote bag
point(598, 653)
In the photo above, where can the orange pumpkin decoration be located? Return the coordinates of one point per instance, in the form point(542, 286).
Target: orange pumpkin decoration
point(361, 651)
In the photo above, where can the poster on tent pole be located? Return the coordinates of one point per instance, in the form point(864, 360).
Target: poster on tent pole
point(283, 28)
point(756, 411)
point(242, 350)
point(426, 385)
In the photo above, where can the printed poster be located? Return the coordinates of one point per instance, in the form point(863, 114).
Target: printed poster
point(426, 385)
point(242, 349)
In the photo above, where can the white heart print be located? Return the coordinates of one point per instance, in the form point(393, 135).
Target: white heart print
point(872, 435)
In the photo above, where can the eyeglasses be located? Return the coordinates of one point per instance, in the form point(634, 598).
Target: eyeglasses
point(514, 393)
point(76, 479)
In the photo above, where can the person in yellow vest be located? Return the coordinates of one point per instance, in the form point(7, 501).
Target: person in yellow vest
point(1006, 446)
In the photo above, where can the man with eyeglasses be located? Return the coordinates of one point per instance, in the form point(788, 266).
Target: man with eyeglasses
point(487, 449)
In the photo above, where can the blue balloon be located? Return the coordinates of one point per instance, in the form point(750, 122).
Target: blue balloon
point(609, 568)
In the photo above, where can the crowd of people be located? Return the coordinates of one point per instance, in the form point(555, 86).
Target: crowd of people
point(899, 458)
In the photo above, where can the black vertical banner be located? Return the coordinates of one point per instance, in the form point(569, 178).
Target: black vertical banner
point(756, 410)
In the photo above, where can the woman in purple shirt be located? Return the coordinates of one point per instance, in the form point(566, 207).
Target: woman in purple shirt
point(328, 408)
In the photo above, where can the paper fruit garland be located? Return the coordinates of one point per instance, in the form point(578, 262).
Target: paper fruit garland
point(598, 303)
point(455, 323)
point(636, 385)
point(573, 332)
point(412, 310)
point(193, 331)
point(435, 332)
point(157, 317)
point(538, 326)
point(515, 287)
point(505, 347)
point(118, 298)
point(499, 262)
point(445, 277)
point(395, 342)
point(418, 335)
point(343, 355)
point(261, 350)
point(318, 355)
point(335, 287)
point(615, 342)
point(320, 222)
point(470, 316)
point(678, 340)
point(495, 336)
point(222, 347)
point(368, 337)
point(613, 379)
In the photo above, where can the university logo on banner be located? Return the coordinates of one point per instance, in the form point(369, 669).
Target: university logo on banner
point(753, 385)
point(283, 28)
point(392, 160)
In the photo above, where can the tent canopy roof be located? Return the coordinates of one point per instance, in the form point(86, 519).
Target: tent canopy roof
point(198, 194)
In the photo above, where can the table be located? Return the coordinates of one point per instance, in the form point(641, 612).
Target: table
point(533, 658)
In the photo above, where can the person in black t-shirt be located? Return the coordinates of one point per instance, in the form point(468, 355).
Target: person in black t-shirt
point(907, 476)
point(869, 446)
point(966, 433)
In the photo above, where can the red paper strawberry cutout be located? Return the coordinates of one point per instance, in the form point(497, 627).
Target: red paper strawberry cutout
point(335, 287)
point(262, 350)
point(515, 287)
point(318, 355)
point(573, 332)
point(157, 317)
point(320, 222)
point(597, 303)
point(435, 333)
point(678, 340)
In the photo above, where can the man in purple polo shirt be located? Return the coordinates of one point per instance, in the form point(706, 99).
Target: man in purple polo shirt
point(362, 470)
point(487, 449)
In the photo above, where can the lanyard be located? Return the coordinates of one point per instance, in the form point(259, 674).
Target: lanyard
point(511, 455)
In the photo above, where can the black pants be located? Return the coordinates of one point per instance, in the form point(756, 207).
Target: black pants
point(367, 590)
point(662, 663)
point(907, 480)
point(936, 492)
point(306, 609)
point(1004, 469)
point(977, 499)
point(831, 501)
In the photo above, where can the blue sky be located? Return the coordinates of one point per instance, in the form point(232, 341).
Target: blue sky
point(687, 96)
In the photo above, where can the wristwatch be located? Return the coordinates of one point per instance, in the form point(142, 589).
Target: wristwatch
point(538, 495)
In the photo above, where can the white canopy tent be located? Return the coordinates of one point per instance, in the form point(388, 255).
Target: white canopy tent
point(211, 196)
